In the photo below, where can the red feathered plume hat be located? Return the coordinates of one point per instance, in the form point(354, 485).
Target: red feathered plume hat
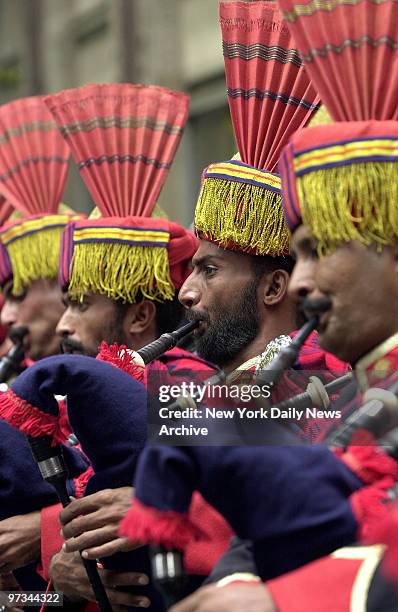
point(33, 170)
point(341, 180)
point(270, 96)
point(123, 139)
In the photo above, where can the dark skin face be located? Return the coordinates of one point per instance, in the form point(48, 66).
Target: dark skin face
point(39, 309)
point(214, 290)
point(84, 325)
point(353, 291)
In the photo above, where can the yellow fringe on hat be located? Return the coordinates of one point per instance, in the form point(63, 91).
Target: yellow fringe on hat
point(34, 256)
point(247, 215)
point(120, 271)
point(352, 202)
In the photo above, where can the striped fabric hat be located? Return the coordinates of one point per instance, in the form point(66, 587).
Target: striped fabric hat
point(341, 180)
point(30, 248)
point(33, 171)
point(270, 96)
point(123, 139)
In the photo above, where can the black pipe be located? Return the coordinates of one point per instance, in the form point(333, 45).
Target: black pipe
point(155, 349)
point(11, 362)
point(53, 470)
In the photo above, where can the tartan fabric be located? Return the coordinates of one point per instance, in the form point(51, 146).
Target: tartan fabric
point(312, 360)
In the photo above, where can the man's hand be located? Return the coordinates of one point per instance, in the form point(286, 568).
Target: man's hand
point(8, 583)
point(69, 577)
point(91, 524)
point(231, 598)
point(19, 541)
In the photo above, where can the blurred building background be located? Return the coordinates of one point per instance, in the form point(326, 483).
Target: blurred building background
point(48, 45)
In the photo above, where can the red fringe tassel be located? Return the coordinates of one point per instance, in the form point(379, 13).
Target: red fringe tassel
point(28, 419)
point(120, 357)
point(82, 481)
point(150, 526)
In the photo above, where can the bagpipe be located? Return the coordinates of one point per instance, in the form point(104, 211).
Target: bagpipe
point(12, 362)
point(317, 394)
point(378, 415)
point(42, 429)
point(167, 565)
point(165, 342)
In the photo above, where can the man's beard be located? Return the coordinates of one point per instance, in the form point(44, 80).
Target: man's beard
point(72, 347)
point(230, 330)
point(113, 333)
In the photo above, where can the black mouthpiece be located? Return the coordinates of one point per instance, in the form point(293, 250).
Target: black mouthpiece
point(11, 363)
point(17, 334)
point(166, 342)
point(303, 333)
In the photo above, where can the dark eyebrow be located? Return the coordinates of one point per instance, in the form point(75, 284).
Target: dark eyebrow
point(206, 259)
point(65, 299)
point(68, 300)
point(7, 292)
point(305, 244)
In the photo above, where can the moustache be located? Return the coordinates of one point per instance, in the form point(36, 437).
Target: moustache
point(71, 346)
point(197, 315)
point(310, 307)
point(17, 334)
